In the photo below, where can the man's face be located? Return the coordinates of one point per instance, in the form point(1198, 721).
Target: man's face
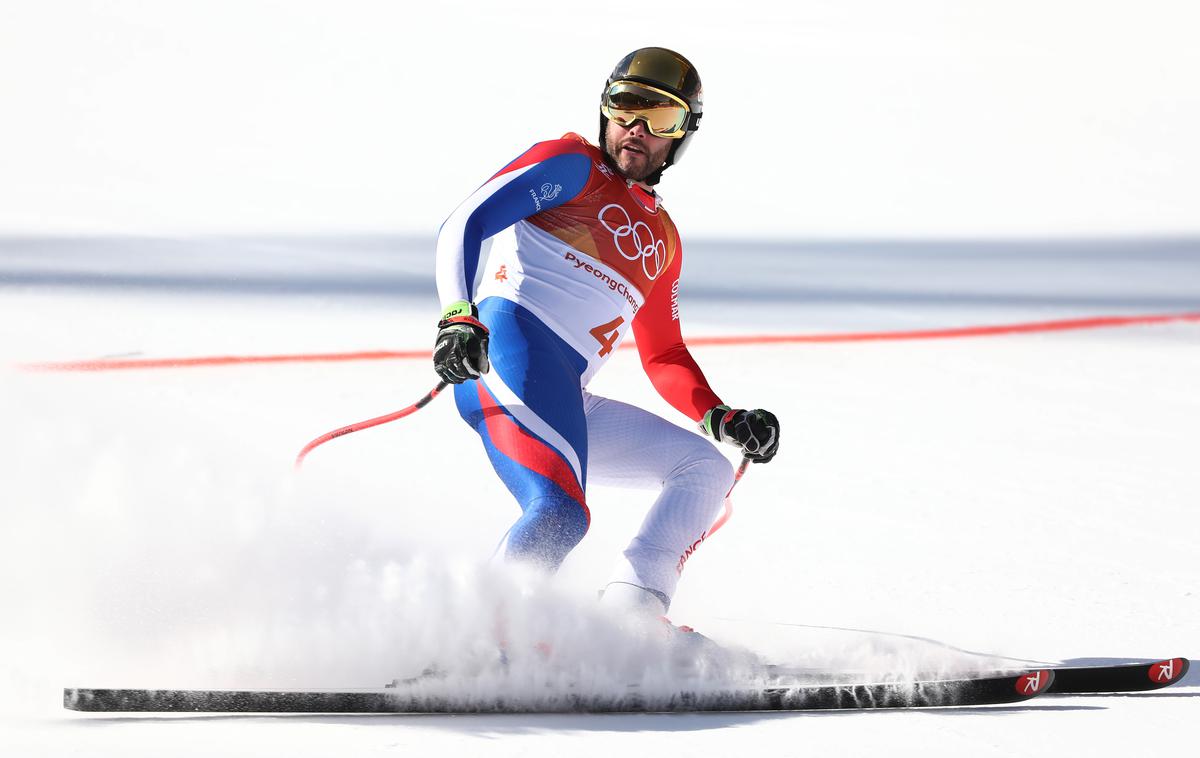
point(636, 151)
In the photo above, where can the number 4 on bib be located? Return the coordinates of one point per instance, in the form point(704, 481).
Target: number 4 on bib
point(607, 334)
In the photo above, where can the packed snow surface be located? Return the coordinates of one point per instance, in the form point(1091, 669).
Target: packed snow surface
point(937, 504)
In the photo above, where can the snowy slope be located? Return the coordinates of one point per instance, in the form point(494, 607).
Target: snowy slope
point(1031, 496)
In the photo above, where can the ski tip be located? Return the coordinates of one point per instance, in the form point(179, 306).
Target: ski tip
point(1033, 683)
point(1167, 672)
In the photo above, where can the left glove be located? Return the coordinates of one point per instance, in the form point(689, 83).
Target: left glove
point(461, 350)
point(756, 432)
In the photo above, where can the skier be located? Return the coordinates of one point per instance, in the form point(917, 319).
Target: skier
point(583, 253)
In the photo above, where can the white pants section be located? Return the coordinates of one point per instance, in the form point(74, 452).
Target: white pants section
point(632, 448)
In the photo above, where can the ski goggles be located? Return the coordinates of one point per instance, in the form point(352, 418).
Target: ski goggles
point(665, 114)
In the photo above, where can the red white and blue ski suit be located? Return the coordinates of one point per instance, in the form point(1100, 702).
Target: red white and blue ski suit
point(579, 258)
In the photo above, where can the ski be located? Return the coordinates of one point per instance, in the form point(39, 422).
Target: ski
point(1068, 680)
point(1122, 677)
point(999, 690)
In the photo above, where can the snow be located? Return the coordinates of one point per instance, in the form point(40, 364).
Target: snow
point(1027, 496)
point(264, 178)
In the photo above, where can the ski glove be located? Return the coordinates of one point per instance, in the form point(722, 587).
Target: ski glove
point(460, 352)
point(756, 432)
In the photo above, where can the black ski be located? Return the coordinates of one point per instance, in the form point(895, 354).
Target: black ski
point(1123, 677)
point(1068, 680)
point(926, 694)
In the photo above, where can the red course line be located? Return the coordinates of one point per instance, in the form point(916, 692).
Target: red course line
point(225, 360)
point(1062, 325)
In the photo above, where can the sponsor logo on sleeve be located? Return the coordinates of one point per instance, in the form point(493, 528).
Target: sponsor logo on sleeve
point(545, 194)
point(550, 191)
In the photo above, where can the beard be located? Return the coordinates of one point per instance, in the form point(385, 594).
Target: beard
point(636, 165)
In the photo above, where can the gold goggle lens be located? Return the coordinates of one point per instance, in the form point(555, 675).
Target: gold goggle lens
point(664, 114)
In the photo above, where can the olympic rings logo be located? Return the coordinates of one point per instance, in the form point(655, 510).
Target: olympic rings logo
point(639, 237)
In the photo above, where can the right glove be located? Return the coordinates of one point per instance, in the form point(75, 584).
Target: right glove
point(756, 432)
point(461, 350)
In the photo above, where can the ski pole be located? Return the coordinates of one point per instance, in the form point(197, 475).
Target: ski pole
point(728, 511)
point(370, 422)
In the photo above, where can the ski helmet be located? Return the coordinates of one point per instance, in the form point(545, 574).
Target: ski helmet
point(666, 70)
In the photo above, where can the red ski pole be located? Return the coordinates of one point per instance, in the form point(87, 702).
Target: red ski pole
point(725, 514)
point(370, 422)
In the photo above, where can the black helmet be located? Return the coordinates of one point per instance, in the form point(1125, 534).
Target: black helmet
point(667, 70)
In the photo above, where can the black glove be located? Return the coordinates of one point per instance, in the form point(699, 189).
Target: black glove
point(756, 432)
point(460, 352)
